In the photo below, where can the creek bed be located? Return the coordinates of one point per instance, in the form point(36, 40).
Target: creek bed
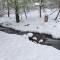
point(55, 42)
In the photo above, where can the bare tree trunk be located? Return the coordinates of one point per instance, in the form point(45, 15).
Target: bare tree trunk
point(40, 6)
point(53, 12)
point(8, 12)
point(17, 18)
point(59, 10)
point(25, 13)
point(40, 11)
point(57, 15)
point(8, 8)
point(17, 11)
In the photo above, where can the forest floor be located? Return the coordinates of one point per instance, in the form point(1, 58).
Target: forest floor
point(19, 44)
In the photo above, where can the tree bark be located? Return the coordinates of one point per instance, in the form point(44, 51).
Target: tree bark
point(25, 13)
point(17, 16)
point(17, 11)
point(8, 12)
point(40, 11)
point(8, 8)
point(57, 15)
point(40, 6)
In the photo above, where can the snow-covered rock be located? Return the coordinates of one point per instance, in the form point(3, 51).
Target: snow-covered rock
point(35, 38)
point(41, 40)
point(30, 34)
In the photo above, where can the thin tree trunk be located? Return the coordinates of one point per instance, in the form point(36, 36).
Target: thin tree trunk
point(17, 11)
point(8, 12)
point(57, 15)
point(25, 14)
point(40, 11)
point(53, 12)
point(40, 6)
point(8, 8)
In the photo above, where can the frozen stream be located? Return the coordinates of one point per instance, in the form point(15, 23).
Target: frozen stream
point(51, 41)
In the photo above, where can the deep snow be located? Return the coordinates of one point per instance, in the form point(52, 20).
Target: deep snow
point(18, 47)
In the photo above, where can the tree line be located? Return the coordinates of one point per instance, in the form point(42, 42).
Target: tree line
point(26, 5)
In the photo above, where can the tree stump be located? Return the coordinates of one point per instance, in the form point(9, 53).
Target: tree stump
point(46, 18)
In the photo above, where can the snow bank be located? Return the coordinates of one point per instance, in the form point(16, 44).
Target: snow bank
point(15, 47)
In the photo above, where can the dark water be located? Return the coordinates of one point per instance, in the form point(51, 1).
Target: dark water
point(55, 42)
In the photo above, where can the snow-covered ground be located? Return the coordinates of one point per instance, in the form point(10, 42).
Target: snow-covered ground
point(18, 47)
point(35, 23)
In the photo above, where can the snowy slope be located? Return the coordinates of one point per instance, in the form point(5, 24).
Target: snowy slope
point(35, 23)
point(15, 47)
